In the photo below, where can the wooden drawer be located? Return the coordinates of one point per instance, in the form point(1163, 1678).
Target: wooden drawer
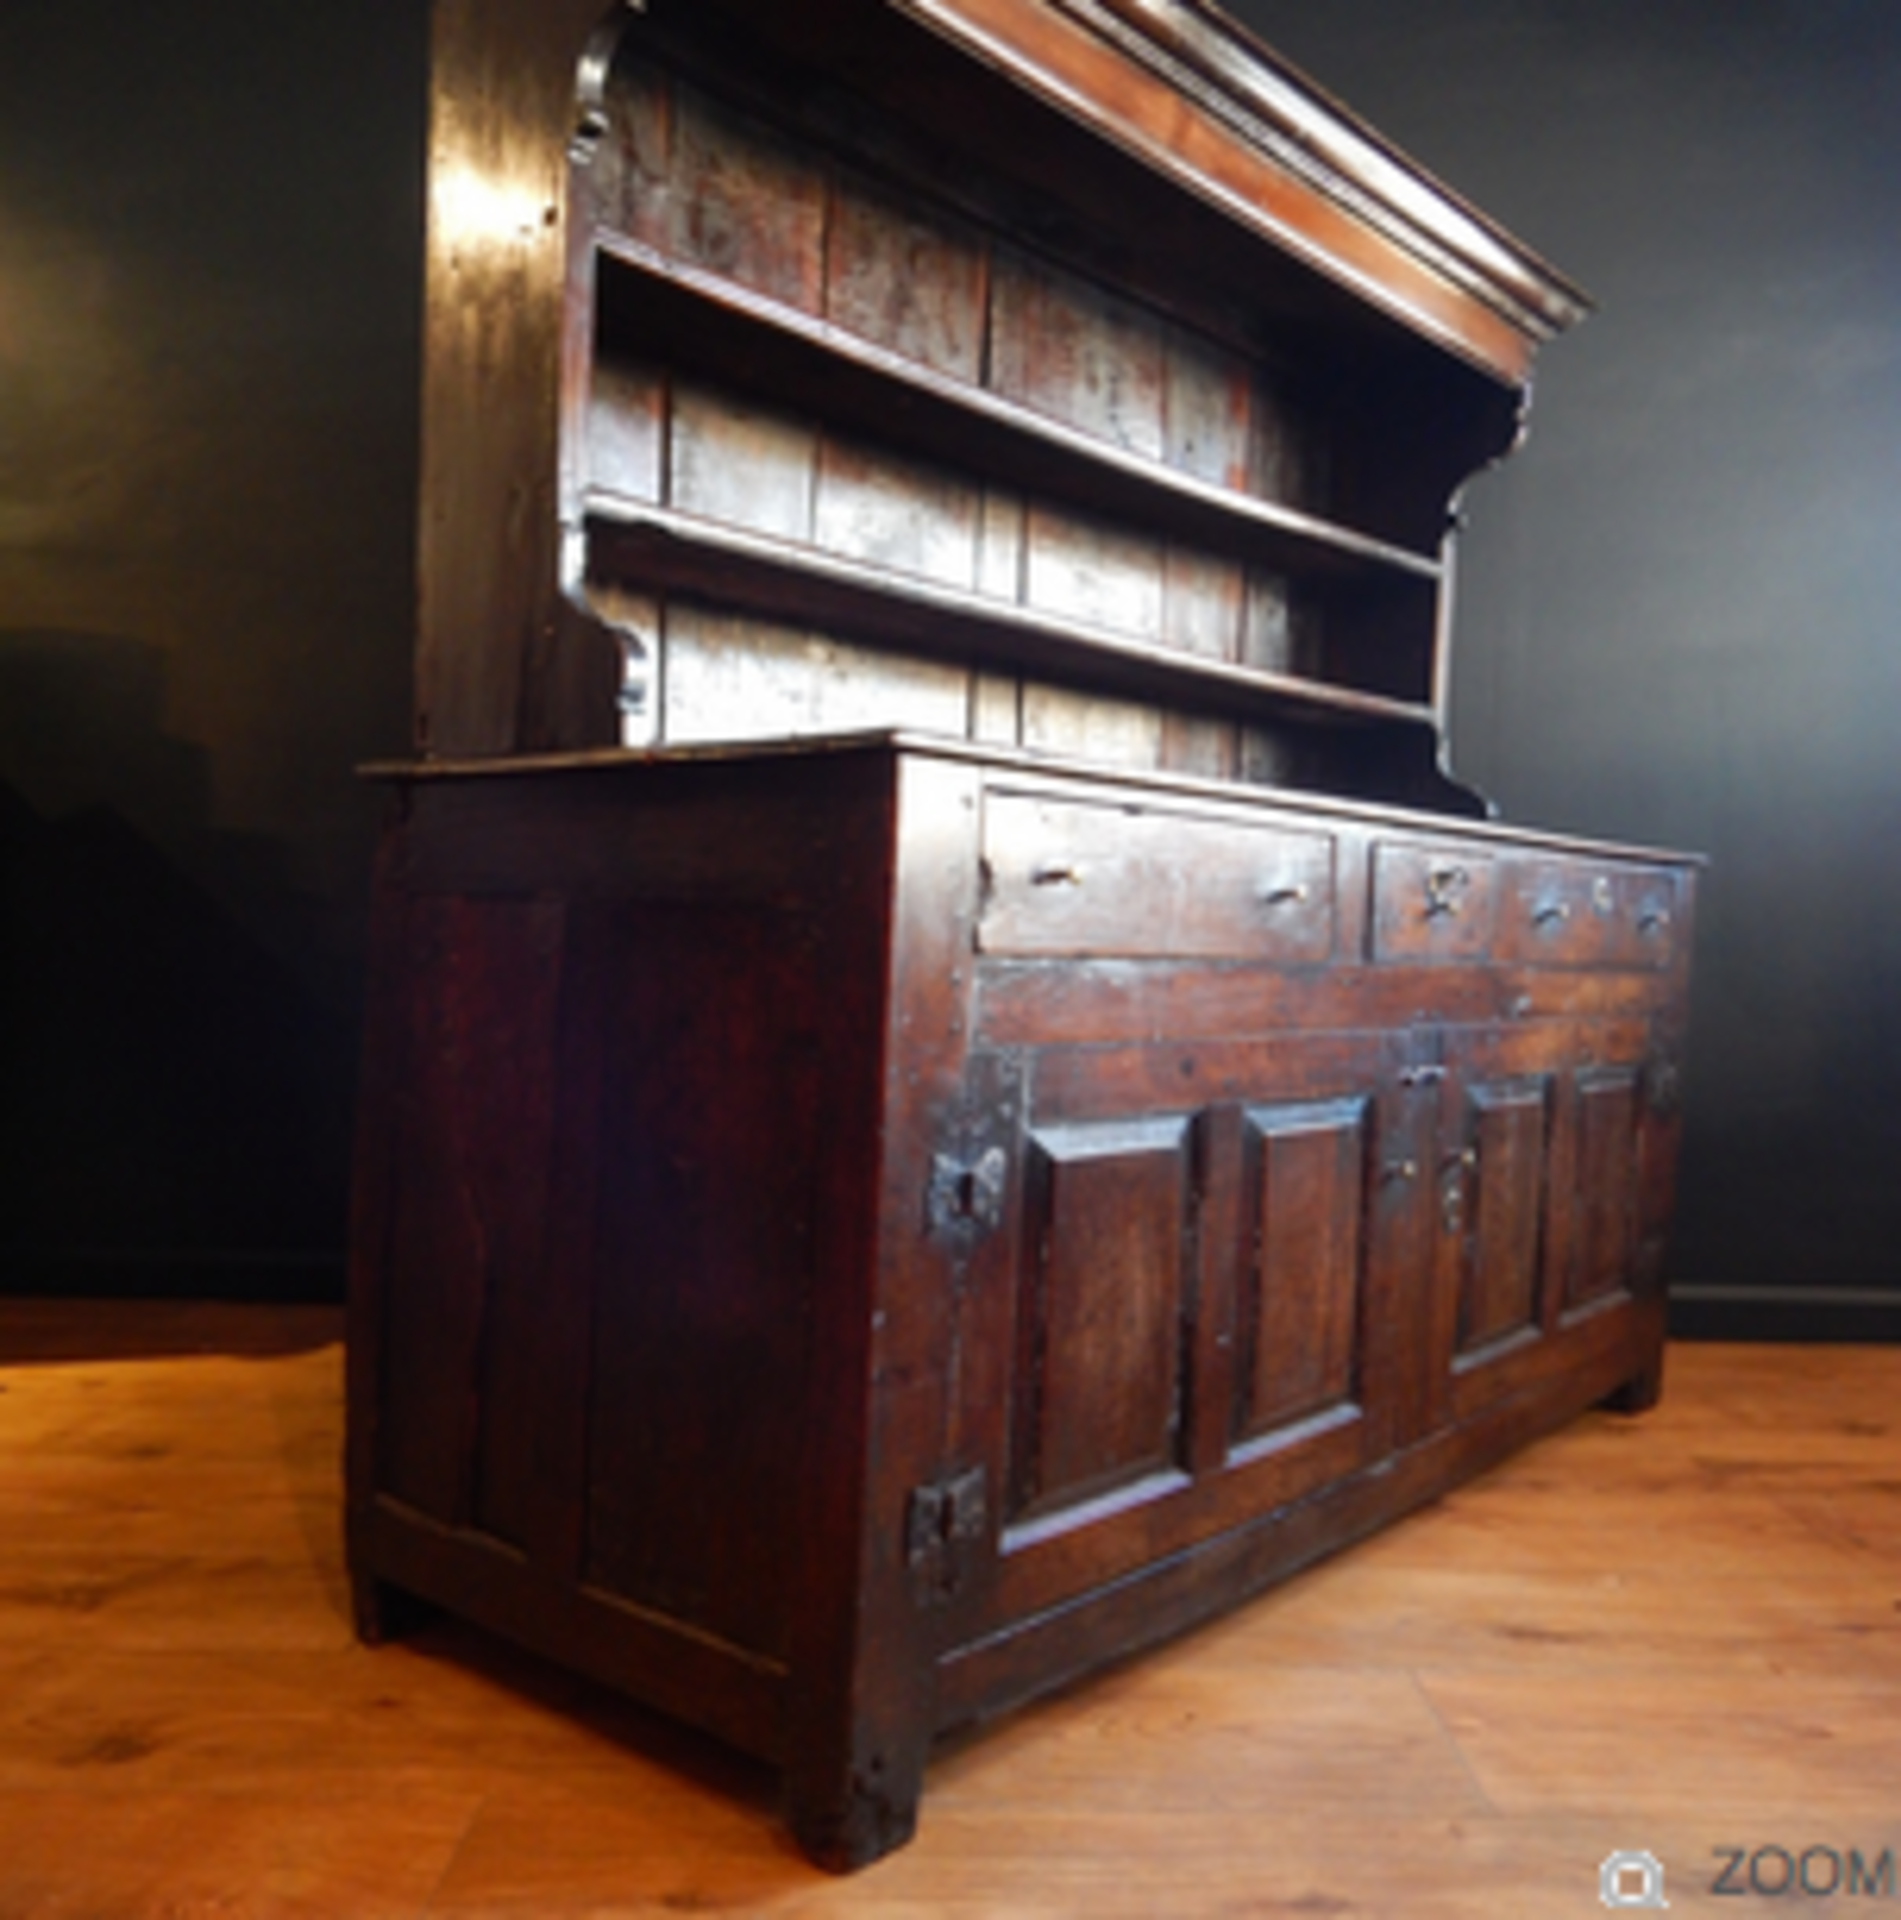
point(1432, 902)
point(1073, 877)
point(1572, 912)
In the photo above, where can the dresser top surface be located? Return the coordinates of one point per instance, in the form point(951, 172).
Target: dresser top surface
point(1021, 769)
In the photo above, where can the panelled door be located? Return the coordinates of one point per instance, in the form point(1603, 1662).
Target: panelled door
point(1537, 1208)
point(1195, 1303)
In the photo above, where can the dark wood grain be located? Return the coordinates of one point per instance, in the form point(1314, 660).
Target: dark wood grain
point(503, 80)
point(802, 1237)
point(857, 1227)
point(702, 1259)
point(824, 258)
point(1309, 1165)
point(1079, 880)
point(1609, 1117)
point(1492, 1197)
point(474, 1143)
point(1099, 1389)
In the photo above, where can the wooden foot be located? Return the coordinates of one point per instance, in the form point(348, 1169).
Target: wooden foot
point(385, 1613)
point(1640, 1392)
point(871, 1813)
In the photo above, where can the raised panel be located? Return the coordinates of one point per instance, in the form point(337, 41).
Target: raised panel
point(1298, 1316)
point(1098, 1395)
point(1609, 1162)
point(1495, 1190)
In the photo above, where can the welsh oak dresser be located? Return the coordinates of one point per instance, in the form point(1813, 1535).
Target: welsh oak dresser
point(951, 1085)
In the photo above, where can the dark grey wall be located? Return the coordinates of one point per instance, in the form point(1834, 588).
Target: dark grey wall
point(1677, 616)
point(208, 325)
point(1674, 602)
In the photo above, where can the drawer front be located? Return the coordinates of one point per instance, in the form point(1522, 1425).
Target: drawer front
point(1076, 877)
point(1432, 902)
point(1575, 912)
point(1644, 920)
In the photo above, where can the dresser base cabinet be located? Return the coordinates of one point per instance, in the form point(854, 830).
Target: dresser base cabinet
point(853, 1235)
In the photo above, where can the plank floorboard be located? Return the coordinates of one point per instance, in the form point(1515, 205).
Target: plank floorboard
point(1681, 1633)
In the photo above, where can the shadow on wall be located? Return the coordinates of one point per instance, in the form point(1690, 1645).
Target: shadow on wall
point(176, 1094)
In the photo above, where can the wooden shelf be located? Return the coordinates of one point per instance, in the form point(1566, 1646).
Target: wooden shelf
point(698, 322)
point(634, 543)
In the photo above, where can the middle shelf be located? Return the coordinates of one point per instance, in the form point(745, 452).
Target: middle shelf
point(639, 545)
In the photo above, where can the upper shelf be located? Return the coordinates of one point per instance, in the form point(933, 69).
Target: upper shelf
point(703, 323)
point(713, 327)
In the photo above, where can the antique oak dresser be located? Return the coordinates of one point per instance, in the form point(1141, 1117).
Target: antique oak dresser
point(951, 1084)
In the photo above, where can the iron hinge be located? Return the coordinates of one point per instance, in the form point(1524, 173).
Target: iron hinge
point(1663, 1086)
point(943, 1524)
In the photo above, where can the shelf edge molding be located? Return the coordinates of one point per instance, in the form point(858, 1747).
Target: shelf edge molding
point(1199, 99)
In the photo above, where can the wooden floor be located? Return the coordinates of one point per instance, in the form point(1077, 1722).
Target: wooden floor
point(1681, 1633)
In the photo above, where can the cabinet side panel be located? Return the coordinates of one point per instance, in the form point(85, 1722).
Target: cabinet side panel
point(476, 1110)
point(710, 1119)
